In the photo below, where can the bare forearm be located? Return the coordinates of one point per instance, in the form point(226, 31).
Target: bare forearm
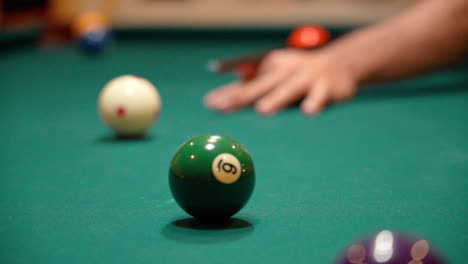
point(431, 34)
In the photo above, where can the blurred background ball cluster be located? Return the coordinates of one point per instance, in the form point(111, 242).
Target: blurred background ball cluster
point(389, 247)
point(92, 30)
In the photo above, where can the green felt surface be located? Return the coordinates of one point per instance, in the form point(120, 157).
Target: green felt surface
point(396, 157)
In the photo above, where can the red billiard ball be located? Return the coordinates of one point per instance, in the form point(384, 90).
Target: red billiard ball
point(308, 36)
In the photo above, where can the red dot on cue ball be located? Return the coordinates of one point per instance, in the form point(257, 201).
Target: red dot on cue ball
point(308, 36)
point(120, 112)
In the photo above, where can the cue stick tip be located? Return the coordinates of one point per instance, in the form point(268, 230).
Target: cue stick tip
point(213, 66)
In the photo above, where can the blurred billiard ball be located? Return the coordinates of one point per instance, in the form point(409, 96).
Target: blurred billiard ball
point(387, 247)
point(95, 40)
point(92, 30)
point(211, 177)
point(308, 37)
point(129, 105)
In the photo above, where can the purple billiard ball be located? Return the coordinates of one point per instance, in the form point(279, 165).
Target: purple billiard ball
point(387, 247)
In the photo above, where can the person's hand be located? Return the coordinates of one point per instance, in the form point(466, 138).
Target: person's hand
point(285, 77)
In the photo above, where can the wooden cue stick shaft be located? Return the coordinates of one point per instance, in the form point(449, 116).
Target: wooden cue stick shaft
point(229, 64)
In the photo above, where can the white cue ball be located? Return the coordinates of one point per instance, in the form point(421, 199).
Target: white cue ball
point(129, 105)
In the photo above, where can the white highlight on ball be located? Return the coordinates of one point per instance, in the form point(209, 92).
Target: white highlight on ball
point(383, 246)
point(210, 146)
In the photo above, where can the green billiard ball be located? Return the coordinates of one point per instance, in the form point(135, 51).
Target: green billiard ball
point(212, 177)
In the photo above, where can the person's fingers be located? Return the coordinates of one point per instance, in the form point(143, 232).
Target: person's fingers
point(239, 96)
point(214, 98)
point(278, 58)
point(285, 94)
point(316, 100)
point(343, 91)
point(270, 60)
point(255, 89)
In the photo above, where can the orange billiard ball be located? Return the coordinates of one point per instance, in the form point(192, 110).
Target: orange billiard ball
point(88, 22)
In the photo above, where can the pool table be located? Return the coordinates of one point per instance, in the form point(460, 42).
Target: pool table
point(394, 158)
